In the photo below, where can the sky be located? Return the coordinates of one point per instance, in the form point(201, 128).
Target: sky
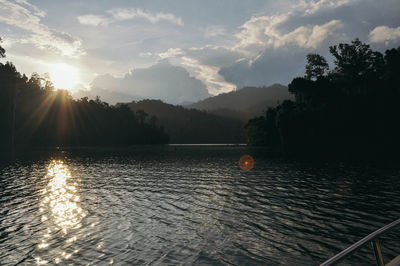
point(183, 50)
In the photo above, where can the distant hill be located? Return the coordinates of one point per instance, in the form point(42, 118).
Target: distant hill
point(192, 126)
point(108, 96)
point(245, 103)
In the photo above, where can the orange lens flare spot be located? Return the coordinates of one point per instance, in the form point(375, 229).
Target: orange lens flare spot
point(246, 162)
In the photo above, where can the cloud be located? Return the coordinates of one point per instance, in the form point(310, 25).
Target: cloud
point(209, 75)
point(15, 14)
point(270, 48)
point(309, 36)
point(384, 34)
point(93, 20)
point(305, 23)
point(204, 64)
point(275, 46)
point(214, 55)
point(312, 7)
point(145, 54)
point(122, 14)
point(272, 56)
point(273, 65)
point(213, 31)
point(222, 69)
point(261, 32)
point(171, 52)
point(131, 13)
point(172, 84)
point(211, 64)
point(224, 50)
point(37, 11)
point(258, 33)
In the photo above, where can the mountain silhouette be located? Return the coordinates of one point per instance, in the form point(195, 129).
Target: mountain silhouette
point(244, 103)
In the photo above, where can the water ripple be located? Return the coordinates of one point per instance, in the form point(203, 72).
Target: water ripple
point(191, 207)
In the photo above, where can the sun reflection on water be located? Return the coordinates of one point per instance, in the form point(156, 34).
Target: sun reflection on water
point(60, 206)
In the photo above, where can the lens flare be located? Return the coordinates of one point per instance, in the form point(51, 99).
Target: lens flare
point(246, 162)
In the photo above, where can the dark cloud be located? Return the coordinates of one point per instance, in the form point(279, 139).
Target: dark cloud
point(272, 66)
point(214, 55)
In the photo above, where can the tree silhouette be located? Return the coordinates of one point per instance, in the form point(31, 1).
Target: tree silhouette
point(34, 114)
point(185, 125)
point(316, 66)
point(153, 120)
point(355, 59)
point(141, 115)
point(350, 111)
point(2, 51)
point(9, 78)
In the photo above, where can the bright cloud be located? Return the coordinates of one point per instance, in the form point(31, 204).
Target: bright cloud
point(93, 20)
point(384, 34)
point(204, 63)
point(209, 75)
point(261, 32)
point(122, 14)
point(309, 36)
point(312, 7)
point(43, 37)
point(171, 52)
point(258, 33)
point(132, 13)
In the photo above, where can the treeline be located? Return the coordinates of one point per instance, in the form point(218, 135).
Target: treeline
point(34, 114)
point(189, 125)
point(352, 110)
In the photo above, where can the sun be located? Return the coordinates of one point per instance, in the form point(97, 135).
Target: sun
point(64, 76)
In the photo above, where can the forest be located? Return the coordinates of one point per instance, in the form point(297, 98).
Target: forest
point(185, 125)
point(349, 111)
point(33, 114)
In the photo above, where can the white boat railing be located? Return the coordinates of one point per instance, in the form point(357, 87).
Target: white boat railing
point(373, 238)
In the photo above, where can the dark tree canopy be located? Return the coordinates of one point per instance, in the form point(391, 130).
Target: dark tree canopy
point(316, 66)
point(185, 125)
point(355, 59)
point(34, 114)
point(351, 111)
point(141, 115)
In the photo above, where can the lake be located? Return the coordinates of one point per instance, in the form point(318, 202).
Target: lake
point(191, 205)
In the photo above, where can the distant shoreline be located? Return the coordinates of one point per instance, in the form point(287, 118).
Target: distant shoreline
point(207, 144)
point(123, 148)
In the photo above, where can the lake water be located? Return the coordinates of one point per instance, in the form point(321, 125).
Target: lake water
point(191, 205)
